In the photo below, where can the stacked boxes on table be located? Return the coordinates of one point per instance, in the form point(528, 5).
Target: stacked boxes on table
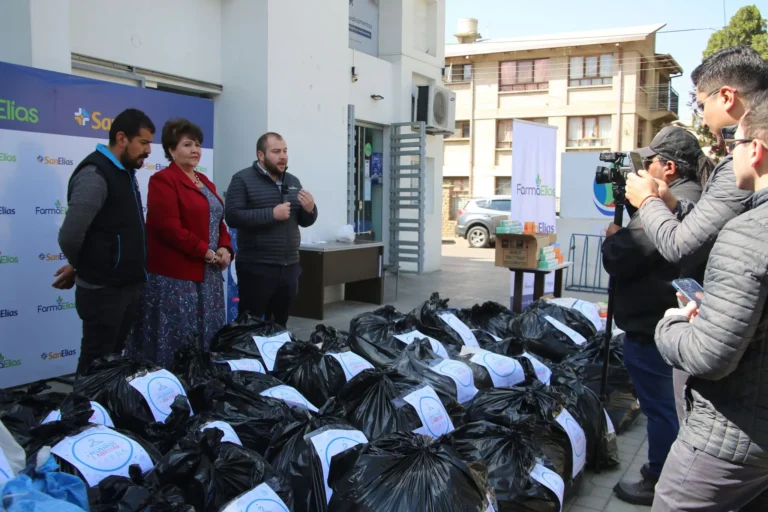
point(550, 256)
point(509, 227)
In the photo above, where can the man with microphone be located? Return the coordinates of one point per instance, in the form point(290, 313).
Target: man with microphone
point(267, 205)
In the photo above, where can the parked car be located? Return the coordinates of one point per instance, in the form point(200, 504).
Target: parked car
point(475, 221)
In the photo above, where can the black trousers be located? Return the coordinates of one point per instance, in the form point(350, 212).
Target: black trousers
point(267, 290)
point(108, 315)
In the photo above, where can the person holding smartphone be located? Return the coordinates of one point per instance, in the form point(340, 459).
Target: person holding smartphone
point(719, 461)
point(643, 292)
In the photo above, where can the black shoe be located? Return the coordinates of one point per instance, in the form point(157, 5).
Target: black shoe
point(645, 472)
point(637, 493)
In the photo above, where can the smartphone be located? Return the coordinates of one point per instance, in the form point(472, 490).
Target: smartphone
point(636, 162)
point(689, 289)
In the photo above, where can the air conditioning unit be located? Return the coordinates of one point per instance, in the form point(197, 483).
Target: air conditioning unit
point(437, 108)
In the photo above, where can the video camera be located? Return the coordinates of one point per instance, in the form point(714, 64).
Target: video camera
point(617, 173)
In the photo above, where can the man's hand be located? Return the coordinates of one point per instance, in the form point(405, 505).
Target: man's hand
point(282, 211)
point(223, 258)
point(65, 278)
point(306, 200)
point(640, 187)
point(611, 229)
point(690, 311)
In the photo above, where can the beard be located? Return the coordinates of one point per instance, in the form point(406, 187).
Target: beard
point(273, 169)
point(132, 163)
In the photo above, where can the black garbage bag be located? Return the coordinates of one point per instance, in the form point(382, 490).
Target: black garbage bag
point(107, 382)
point(406, 472)
point(586, 407)
point(372, 335)
point(452, 380)
point(509, 454)
point(129, 494)
point(293, 454)
point(370, 403)
point(510, 406)
point(253, 418)
point(164, 435)
point(89, 443)
point(622, 406)
point(329, 338)
point(210, 473)
point(238, 336)
point(492, 369)
point(426, 318)
point(195, 368)
point(316, 374)
point(23, 410)
point(490, 316)
point(543, 338)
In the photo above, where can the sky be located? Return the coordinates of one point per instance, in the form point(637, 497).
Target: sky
point(514, 18)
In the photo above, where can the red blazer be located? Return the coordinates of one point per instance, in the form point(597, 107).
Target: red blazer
point(177, 225)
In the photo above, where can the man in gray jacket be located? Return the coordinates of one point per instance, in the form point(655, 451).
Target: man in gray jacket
point(720, 459)
point(267, 205)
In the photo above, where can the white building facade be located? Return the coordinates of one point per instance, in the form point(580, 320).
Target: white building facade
point(290, 66)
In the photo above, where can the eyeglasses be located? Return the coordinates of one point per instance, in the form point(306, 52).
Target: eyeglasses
point(732, 143)
point(648, 161)
point(700, 104)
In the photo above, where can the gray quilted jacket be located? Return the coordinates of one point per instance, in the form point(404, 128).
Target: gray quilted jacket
point(724, 349)
point(689, 241)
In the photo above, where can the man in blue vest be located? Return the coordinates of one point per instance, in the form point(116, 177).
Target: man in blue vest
point(103, 237)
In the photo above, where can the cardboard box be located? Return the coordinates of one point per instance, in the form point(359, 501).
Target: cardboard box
point(521, 251)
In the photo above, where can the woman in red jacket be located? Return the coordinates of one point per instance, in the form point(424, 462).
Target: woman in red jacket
point(188, 247)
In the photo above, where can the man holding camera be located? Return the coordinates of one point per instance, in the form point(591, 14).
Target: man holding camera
point(643, 292)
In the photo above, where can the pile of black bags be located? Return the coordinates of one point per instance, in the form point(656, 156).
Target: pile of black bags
point(439, 409)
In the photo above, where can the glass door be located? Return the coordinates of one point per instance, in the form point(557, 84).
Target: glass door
point(369, 183)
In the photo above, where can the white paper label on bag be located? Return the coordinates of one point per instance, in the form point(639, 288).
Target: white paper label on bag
point(100, 415)
point(505, 371)
point(543, 373)
point(461, 374)
point(460, 327)
point(412, 336)
point(330, 443)
point(611, 429)
point(550, 480)
point(433, 416)
point(230, 436)
point(289, 395)
point(495, 338)
point(578, 440)
point(260, 499)
point(575, 337)
point(268, 347)
point(100, 452)
point(6, 473)
point(352, 364)
point(159, 389)
point(245, 365)
point(588, 309)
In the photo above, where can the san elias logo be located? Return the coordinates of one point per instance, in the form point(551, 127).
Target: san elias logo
point(8, 363)
point(5, 259)
point(94, 120)
point(46, 256)
point(7, 157)
point(52, 356)
point(60, 305)
point(11, 111)
point(54, 160)
point(7, 211)
point(8, 313)
point(58, 209)
point(154, 167)
point(539, 190)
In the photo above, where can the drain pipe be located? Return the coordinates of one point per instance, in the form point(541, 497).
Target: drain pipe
point(132, 75)
point(472, 134)
point(621, 99)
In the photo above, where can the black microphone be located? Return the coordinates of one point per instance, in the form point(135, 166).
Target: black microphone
point(284, 192)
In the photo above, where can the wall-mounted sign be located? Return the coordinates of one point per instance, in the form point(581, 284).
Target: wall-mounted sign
point(364, 26)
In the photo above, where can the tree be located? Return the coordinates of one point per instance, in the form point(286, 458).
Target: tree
point(746, 28)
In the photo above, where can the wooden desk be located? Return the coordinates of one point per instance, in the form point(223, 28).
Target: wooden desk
point(538, 283)
point(359, 266)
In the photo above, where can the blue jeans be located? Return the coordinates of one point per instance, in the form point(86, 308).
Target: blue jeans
point(652, 378)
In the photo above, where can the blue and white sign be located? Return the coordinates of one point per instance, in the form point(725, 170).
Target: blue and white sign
point(330, 443)
point(268, 347)
point(289, 395)
point(159, 389)
point(505, 372)
point(433, 416)
point(578, 440)
point(260, 499)
point(100, 452)
point(550, 480)
point(461, 375)
point(352, 364)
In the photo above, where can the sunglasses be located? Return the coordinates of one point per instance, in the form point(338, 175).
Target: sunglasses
point(732, 143)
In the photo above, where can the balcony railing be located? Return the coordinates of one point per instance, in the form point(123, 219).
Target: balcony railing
point(663, 97)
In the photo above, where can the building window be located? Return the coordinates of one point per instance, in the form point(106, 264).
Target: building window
point(503, 186)
point(594, 70)
point(524, 75)
point(643, 72)
point(504, 131)
point(640, 132)
point(459, 195)
point(461, 131)
point(589, 131)
point(460, 73)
